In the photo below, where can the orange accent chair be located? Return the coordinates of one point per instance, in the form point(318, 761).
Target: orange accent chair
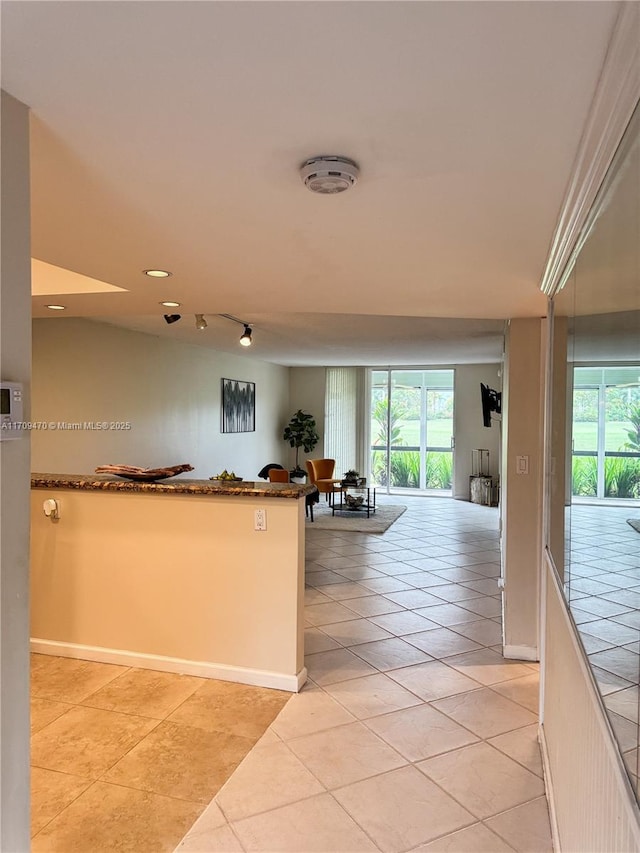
point(321, 475)
point(278, 476)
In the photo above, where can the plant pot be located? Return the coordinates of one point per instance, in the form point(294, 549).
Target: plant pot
point(300, 481)
point(356, 482)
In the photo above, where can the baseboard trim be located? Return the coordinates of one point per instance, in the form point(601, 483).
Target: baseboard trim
point(203, 669)
point(301, 678)
point(521, 653)
point(548, 787)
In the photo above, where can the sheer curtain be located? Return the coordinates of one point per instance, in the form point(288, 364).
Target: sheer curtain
point(344, 432)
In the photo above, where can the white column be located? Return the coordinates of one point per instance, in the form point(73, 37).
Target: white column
point(15, 365)
point(522, 477)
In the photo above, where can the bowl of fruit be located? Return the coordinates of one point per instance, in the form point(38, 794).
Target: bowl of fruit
point(226, 477)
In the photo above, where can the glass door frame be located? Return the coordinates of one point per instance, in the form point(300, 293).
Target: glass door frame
point(601, 437)
point(423, 448)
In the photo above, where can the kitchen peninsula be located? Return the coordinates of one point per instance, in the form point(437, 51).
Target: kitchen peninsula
point(171, 576)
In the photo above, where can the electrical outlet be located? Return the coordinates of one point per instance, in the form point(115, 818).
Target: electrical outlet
point(260, 521)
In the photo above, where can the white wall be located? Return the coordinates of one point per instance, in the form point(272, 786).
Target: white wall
point(85, 371)
point(588, 788)
point(470, 433)
point(307, 392)
point(521, 493)
point(15, 356)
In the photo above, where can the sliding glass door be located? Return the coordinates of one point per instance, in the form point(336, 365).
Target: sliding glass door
point(412, 429)
point(606, 432)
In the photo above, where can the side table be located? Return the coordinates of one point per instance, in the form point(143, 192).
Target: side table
point(355, 498)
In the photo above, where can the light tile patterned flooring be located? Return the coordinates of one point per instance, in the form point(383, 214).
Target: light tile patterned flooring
point(126, 759)
point(604, 591)
point(413, 733)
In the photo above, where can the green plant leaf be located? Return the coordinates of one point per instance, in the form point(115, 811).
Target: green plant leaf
point(301, 432)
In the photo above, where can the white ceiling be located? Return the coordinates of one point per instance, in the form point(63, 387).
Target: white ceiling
point(301, 340)
point(169, 135)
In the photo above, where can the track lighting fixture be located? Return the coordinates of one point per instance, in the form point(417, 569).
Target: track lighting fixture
point(245, 338)
point(172, 318)
point(201, 323)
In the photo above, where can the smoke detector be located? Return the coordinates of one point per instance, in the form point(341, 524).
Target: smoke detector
point(329, 175)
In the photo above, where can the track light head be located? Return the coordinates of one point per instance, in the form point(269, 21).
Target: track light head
point(201, 323)
point(172, 318)
point(245, 339)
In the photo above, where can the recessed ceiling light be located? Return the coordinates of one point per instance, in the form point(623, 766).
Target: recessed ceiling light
point(157, 273)
point(170, 304)
point(56, 307)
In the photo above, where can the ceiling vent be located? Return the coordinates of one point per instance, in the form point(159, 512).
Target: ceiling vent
point(329, 175)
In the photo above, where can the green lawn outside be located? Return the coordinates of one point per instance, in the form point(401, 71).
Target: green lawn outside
point(585, 435)
point(439, 432)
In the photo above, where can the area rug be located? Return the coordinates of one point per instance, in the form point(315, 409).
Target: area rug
point(635, 523)
point(357, 522)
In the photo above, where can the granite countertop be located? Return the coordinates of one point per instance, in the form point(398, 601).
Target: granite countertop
point(172, 486)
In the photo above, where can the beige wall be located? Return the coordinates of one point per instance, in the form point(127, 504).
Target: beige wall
point(85, 371)
point(15, 358)
point(470, 433)
point(589, 790)
point(521, 494)
point(307, 392)
point(178, 578)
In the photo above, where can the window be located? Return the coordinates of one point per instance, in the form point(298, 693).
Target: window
point(606, 432)
point(411, 423)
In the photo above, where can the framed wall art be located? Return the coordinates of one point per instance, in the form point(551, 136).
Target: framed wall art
point(238, 406)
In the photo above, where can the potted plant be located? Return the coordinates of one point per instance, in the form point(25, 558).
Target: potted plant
point(351, 477)
point(300, 432)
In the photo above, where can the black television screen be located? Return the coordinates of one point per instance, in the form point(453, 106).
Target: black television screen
point(491, 402)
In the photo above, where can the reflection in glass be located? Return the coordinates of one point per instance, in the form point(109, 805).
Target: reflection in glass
point(584, 471)
point(595, 427)
point(606, 422)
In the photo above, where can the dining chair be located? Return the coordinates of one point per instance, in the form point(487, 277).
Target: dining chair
point(280, 476)
point(277, 475)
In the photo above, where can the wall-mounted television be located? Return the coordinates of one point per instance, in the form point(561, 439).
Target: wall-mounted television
point(491, 402)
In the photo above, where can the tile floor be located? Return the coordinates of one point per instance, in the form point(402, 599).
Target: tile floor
point(413, 733)
point(126, 759)
point(603, 587)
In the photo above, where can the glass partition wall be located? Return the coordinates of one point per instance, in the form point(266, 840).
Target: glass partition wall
point(412, 430)
point(606, 432)
point(594, 482)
